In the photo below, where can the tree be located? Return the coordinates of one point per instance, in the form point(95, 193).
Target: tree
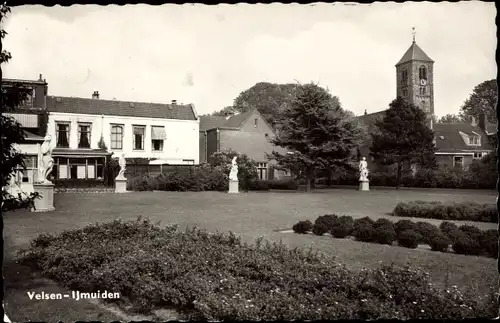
point(403, 137)
point(451, 118)
point(482, 100)
point(11, 98)
point(317, 133)
point(227, 111)
point(268, 98)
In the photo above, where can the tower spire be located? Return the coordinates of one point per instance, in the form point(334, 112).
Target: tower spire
point(413, 33)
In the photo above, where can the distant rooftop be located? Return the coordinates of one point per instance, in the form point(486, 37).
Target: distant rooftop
point(414, 53)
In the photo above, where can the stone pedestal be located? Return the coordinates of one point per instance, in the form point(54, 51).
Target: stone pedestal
point(364, 186)
point(233, 186)
point(121, 185)
point(45, 202)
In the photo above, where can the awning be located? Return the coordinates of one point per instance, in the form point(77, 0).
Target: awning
point(139, 131)
point(158, 133)
point(158, 162)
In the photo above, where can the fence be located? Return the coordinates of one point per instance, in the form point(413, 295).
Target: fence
point(135, 169)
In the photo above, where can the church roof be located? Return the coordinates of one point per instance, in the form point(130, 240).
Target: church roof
point(414, 53)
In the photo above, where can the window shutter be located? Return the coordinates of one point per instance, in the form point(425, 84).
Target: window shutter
point(158, 133)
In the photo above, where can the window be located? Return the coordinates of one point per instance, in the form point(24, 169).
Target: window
point(474, 141)
point(84, 136)
point(405, 93)
point(157, 137)
point(458, 162)
point(188, 161)
point(422, 73)
point(29, 174)
point(479, 155)
point(262, 170)
point(256, 122)
point(422, 90)
point(139, 137)
point(404, 77)
point(116, 136)
point(62, 135)
point(424, 106)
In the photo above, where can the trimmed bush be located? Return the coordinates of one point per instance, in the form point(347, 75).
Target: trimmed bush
point(302, 226)
point(426, 231)
point(409, 239)
point(278, 184)
point(327, 220)
point(365, 221)
point(471, 231)
point(383, 223)
point(385, 234)
point(320, 229)
point(489, 243)
point(440, 242)
point(465, 244)
point(343, 227)
point(220, 278)
point(449, 229)
point(258, 185)
point(364, 229)
point(403, 225)
point(466, 211)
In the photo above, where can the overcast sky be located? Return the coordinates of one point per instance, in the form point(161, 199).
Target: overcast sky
point(207, 55)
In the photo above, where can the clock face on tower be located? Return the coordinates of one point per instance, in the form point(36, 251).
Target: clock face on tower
point(423, 82)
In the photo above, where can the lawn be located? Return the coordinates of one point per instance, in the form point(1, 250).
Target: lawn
point(253, 215)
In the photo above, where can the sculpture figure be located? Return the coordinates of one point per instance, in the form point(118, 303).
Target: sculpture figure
point(233, 174)
point(363, 170)
point(45, 160)
point(123, 163)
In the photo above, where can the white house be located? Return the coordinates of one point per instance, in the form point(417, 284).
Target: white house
point(167, 132)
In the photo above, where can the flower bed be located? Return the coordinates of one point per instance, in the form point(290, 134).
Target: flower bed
point(218, 277)
point(465, 211)
point(466, 240)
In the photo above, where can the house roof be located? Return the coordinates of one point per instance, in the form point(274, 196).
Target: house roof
point(233, 122)
point(13, 81)
point(120, 108)
point(210, 122)
point(370, 119)
point(448, 138)
point(414, 53)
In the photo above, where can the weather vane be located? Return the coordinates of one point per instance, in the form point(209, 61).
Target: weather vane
point(413, 32)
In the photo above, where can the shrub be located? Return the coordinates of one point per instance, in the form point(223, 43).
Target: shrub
point(409, 239)
point(327, 220)
point(320, 229)
point(343, 227)
point(439, 242)
point(279, 184)
point(449, 229)
point(258, 185)
point(247, 167)
point(465, 244)
point(383, 223)
point(489, 243)
point(385, 234)
point(466, 211)
point(471, 231)
point(403, 225)
point(302, 226)
point(427, 231)
point(364, 229)
point(365, 221)
point(219, 277)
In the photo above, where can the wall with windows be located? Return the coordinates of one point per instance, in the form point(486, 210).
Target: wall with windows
point(455, 160)
point(176, 141)
point(22, 179)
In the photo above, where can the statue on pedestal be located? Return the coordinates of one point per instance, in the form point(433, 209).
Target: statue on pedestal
point(233, 174)
point(123, 163)
point(363, 170)
point(45, 161)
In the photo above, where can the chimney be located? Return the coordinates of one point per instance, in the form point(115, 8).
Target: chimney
point(174, 102)
point(95, 95)
point(473, 121)
point(483, 121)
point(366, 112)
point(40, 78)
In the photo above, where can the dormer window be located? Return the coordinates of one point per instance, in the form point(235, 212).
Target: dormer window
point(474, 140)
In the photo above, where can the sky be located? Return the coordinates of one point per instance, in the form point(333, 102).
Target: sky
point(208, 55)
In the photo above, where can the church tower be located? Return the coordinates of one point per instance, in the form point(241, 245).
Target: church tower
point(415, 79)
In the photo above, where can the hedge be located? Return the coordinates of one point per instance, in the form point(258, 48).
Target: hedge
point(463, 211)
point(466, 239)
point(216, 277)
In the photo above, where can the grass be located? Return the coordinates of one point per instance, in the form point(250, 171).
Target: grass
point(256, 214)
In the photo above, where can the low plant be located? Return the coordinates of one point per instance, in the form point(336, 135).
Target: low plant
point(440, 242)
point(385, 234)
point(219, 277)
point(489, 243)
point(303, 226)
point(426, 231)
point(465, 244)
point(403, 225)
point(409, 239)
point(343, 227)
point(328, 221)
point(449, 229)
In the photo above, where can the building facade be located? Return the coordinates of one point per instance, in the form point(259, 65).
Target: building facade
point(86, 131)
point(246, 133)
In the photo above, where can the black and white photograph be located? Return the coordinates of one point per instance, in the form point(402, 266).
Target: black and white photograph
point(258, 162)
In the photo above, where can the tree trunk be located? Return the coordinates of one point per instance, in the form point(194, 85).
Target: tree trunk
point(309, 178)
point(398, 177)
